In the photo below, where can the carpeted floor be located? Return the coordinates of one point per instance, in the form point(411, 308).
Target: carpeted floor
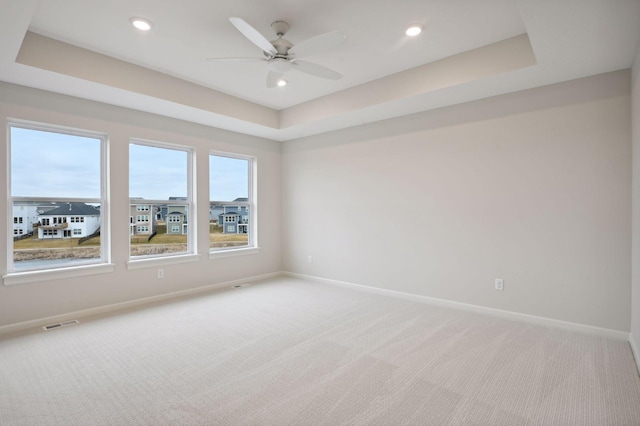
point(291, 352)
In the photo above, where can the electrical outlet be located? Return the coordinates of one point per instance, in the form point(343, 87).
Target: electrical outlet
point(160, 273)
point(309, 259)
point(499, 284)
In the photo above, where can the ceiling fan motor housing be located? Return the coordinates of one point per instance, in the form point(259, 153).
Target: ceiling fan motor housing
point(282, 46)
point(280, 65)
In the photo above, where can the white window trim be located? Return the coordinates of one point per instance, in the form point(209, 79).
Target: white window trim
point(72, 268)
point(232, 252)
point(161, 260)
point(252, 204)
point(26, 277)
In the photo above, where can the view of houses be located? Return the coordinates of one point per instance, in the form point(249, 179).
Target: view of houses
point(55, 220)
point(233, 219)
point(78, 220)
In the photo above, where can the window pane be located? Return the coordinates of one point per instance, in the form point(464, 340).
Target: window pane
point(157, 173)
point(228, 179)
point(55, 234)
point(56, 198)
point(158, 228)
point(228, 226)
point(45, 164)
point(229, 208)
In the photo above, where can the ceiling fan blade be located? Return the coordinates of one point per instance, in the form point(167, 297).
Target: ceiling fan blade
point(273, 78)
point(317, 44)
point(236, 59)
point(316, 70)
point(253, 35)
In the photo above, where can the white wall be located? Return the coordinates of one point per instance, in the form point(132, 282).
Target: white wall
point(532, 187)
point(635, 290)
point(37, 300)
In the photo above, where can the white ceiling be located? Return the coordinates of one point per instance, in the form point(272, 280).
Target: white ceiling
point(568, 39)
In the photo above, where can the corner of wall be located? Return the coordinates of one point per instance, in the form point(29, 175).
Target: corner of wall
point(635, 188)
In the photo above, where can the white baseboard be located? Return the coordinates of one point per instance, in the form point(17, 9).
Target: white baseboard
point(40, 322)
point(635, 350)
point(515, 316)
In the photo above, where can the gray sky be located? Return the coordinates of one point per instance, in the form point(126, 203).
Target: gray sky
point(229, 178)
point(46, 164)
point(157, 173)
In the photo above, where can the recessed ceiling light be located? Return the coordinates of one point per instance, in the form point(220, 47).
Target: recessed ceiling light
point(141, 23)
point(282, 83)
point(413, 30)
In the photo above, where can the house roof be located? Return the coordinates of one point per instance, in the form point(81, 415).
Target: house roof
point(73, 209)
point(228, 213)
point(175, 212)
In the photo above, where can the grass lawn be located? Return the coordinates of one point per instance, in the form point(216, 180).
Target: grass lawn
point(219, 238)
point(34, 243)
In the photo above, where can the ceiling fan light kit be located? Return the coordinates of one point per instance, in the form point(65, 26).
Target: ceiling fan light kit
point(282, 56)
point(414, 30)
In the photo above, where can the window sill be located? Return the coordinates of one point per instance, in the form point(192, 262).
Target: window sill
point(16, 278)
point(152, 262)
point(220, 254)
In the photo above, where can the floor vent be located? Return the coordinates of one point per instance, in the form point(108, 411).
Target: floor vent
point(60, 325)
point(241, 285)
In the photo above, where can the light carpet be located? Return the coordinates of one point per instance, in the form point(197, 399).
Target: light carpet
point(291, 352)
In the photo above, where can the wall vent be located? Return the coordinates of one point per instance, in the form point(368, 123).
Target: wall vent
point(60, 325)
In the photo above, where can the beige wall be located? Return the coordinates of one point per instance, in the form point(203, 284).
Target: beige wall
point(532, 187)
point(635, 297)
point(37, 300)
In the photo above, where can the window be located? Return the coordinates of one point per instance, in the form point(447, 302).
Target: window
point(175, 228)
point(56, 174)
point(160, 183)
point(231, 191)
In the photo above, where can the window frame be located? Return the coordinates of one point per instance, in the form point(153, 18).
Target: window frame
point(251, 206)
point(67, 269)
point(191, 255)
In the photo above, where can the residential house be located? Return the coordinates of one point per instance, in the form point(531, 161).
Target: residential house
point(176, 219)
point(24, 216)
point(233, 219)
point(68, 220)
point(142, 219)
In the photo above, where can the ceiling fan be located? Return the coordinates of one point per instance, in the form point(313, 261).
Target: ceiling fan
point(282, 56)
